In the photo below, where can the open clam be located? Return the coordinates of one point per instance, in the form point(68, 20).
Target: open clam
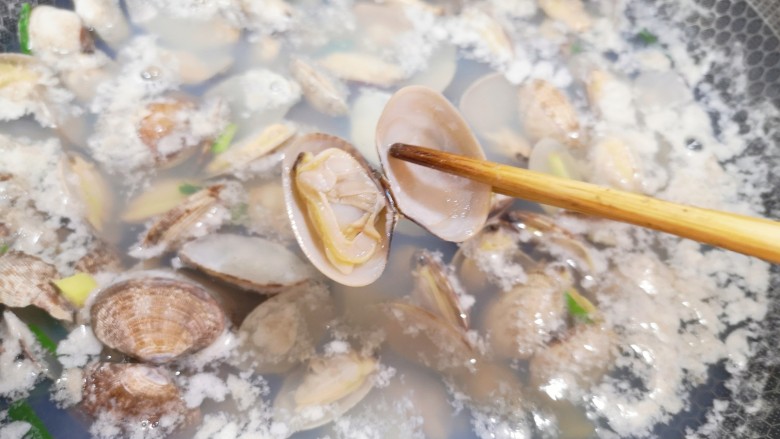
point(339, 211)
point(25, 280)
point(156, 319)
point(452, 208)
point(284, 330)
point(436, 290)
point(328, 388)
point(251, 263)
point(132, 392)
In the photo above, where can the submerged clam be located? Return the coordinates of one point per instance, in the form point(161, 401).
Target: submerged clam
point(452, 208)
point(436, 290)
point(285, 329)
point(132, 392)
point(324, 93)
point(339, 211)
point(251, 263)
point(255, 146)
point(59, 32)
point(156, 319)
point(547, 112)
point(328, 388)
point(26, 280)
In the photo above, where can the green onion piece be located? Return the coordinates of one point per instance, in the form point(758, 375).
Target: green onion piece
point(223, 141)
point(575, 48)
point(24, 28)
point(579, 306)
point(647, 37)
point(22, 411)
point(188, 189)
point(4, 248)
point(43, 339)
point(557, 166)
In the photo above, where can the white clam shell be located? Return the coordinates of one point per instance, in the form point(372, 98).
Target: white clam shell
point(251, 263)
point(452, 208)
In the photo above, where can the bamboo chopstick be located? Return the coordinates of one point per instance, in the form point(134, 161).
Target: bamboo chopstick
point(748, 235)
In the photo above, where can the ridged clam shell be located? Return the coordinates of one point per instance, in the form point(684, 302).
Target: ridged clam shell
point(251, 263)
point(136, 391)
point(25, 280)
point(156, 319)
point(184, 222)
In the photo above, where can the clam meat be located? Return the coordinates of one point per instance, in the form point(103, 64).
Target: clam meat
point(339, 211)
point(156, 319)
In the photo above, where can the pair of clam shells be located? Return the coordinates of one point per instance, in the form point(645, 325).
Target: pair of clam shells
point(343, 213)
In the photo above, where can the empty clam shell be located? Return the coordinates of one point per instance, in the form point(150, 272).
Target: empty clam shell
point(200, 214)
point(339, 211)
point(284, 330)
point(547, 112)
point(25, 280)
point(326, 390)
point(156, 319)
point(136, 392)
point(251, 263)
point(452, 208)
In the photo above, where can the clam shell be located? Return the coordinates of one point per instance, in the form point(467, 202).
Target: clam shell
point(435, 291)
point(521, 321)
point(324, 93)
point(306, 235)
point(253, 147)
point(25, 280)
point(363, 68)
point(547, 112)
point(572, 13)
point(162, 196)
point(422, 336)
point(493, 35)
point(284, 330)
point(106, 18)
point(100, 258)
point(251, 263)
point(452, 208)
point(129, 391)
point(91, 188)
point(165, 128)
point(329, 387)
point(57, 31)
point(198, 215)
point(156, 319)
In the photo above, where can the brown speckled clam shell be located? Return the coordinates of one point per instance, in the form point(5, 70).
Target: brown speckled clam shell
point(25, 280)
point(156, 319)
point(136, 391)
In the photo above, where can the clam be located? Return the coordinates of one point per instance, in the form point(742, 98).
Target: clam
point(29, 87)
point(253, 147)
point(284, 330)
point(106, 18)
point(569, 366)
point(18, 357)
point(329, 387)
point(91, 188)
point(160, 197)
point(338, 209)
point(266, 212)
point(364, 115)
point(195, 68)
point(363, 68)
point(251, 263)
point(200, 214)
point(440, 70)
point(323, 92)
point(426, 338)
point(520, 322)
point(156, 319)
point(133, 393)
point(493, 36)
point(452, 208)
point(546, 112)
point(611, 98)
point(572, 13)
point(26, 280)
point(57, 32)
point(165, 129)
point(614, 163)
point(436, 291)
point(100, 258)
